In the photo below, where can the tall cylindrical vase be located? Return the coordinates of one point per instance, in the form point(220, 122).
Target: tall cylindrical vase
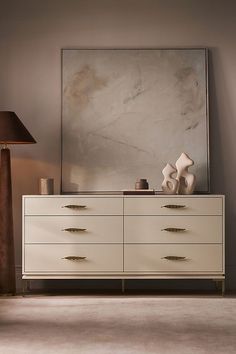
point(7, 263)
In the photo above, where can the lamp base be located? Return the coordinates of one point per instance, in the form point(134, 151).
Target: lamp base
point(7, 263)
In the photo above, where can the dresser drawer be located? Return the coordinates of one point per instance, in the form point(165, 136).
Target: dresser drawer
point(173, 206)
point(150, 258)
point(81, 229)
point(173, 229)
point(49, 258)
point(73, 206)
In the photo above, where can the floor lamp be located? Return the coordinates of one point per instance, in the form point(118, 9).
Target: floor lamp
point(12, 131)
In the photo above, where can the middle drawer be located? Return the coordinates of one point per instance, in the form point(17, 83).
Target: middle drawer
point(73, 229)
point(173, 229)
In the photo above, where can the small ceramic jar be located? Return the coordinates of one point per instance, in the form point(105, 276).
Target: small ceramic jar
point(46, 186)
point(141, 183)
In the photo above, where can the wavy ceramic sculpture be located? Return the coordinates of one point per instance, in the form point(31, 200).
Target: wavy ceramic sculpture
point(170, 184)
point(187, 180)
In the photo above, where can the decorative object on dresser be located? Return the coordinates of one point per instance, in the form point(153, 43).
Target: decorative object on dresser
point(138, 191)
point(158, 108)
point(169, 184)
point(184, 182)
point(123, 237)
point(187, 180)
point(141, 183)
point(12, 131)
point(46, 186)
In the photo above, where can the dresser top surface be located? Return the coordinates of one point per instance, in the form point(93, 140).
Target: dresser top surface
point(123, 196)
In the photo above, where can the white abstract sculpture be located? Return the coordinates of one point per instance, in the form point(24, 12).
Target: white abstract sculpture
point(187, 180)
point(170, 184)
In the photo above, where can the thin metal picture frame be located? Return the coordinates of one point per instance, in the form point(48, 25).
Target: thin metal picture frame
point(206, 50)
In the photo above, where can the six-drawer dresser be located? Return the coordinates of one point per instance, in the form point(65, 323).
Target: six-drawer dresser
point(123, 237)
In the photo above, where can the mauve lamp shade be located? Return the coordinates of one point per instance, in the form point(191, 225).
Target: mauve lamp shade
point(12, 130)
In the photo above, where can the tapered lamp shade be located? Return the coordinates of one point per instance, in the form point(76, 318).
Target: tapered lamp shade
point(12, 131)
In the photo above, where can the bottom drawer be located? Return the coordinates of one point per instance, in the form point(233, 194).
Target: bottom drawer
point(50, 258)
point(150, 258)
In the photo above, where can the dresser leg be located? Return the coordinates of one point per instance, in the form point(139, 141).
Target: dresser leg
point(223, 287)
point(123, 285)
point(25, 287)
point(220, 286)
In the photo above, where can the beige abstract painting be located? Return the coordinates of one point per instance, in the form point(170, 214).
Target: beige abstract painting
point(126, 113)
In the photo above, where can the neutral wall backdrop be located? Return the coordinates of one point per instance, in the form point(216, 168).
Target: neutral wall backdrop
point(32, 33)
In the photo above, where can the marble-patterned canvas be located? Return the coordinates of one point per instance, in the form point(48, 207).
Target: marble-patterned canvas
point(126, 113)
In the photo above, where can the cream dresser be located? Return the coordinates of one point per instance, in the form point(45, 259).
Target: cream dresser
point(123, 237)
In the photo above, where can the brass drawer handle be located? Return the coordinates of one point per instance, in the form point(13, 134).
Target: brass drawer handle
point(74, 229)
point(173, 206)
point(174, 258)
point(174, 229)
point(74, 258)
point(74, 206)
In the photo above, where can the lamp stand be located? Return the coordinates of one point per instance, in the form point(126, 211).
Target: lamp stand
point(7, 263)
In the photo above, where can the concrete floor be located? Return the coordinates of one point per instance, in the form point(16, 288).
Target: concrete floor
point(118, 324)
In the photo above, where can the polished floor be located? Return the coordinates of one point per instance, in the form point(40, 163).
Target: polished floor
point(118, 324)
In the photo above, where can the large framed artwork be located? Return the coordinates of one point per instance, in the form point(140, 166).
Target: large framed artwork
point(127, 112)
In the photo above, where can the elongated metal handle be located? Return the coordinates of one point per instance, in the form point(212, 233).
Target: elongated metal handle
point(173, 206)
point(74, 258)
point(173, 229)
point(74, 229)
point(174, 258)
point(74, 206)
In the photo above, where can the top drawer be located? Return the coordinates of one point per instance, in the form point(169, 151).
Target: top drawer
point(73, 206)
point(173, 205)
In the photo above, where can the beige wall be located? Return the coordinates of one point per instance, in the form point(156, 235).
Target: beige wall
point(32, 33)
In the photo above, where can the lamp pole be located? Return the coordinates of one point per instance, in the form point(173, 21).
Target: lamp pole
point(7, 263)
